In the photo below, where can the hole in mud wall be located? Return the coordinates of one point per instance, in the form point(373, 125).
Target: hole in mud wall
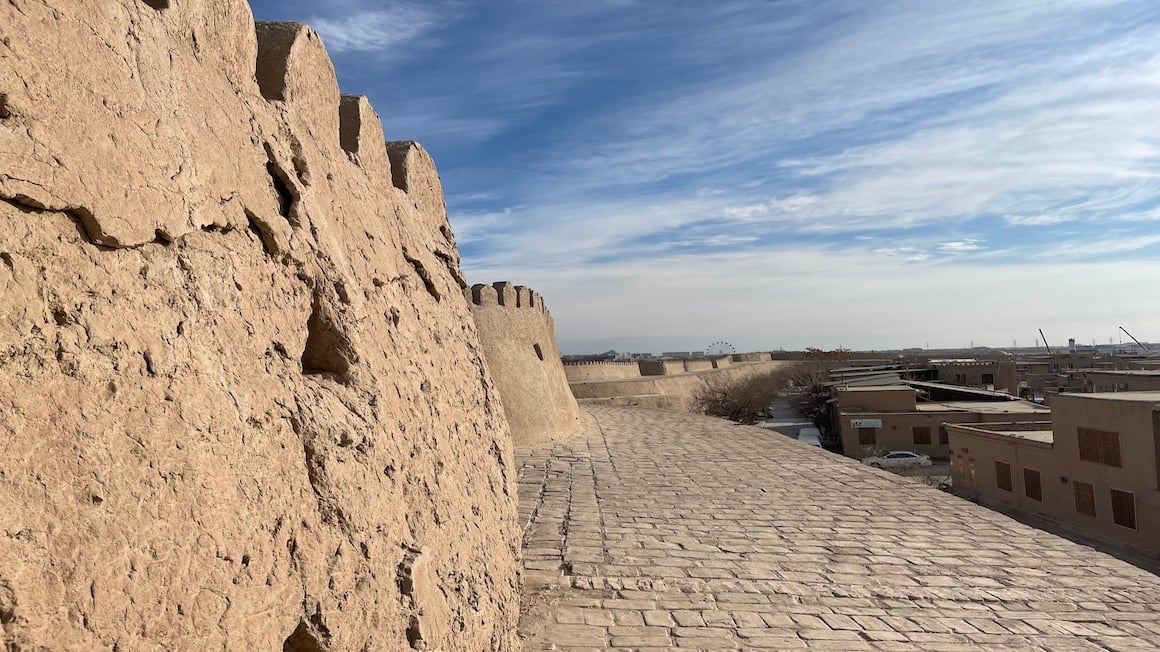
point(158, 4)
point(325, 345)
point(397, 153)
point(285, 198)
point(539, 351)
point(301, 640)
point(5, 112)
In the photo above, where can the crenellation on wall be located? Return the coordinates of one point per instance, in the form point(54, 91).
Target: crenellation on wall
point(361, 136)
point(506, 293)
point(518, 336)
point(579, 371)
point(482, 295)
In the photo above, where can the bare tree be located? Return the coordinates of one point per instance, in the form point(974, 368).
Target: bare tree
point(741, 399)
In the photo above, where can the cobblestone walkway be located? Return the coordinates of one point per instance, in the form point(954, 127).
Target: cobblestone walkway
point(654, 530)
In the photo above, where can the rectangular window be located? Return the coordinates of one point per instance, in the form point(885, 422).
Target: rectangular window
point(1124, 508)
point(1099, 446)
point(943, 437)
point(921, 434)
point(1085, 498)
point(1003, 475)
point(988, 379)
point(1031, 485)
point(868, 436)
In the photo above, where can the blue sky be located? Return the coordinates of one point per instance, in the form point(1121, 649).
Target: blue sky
point(784, 174)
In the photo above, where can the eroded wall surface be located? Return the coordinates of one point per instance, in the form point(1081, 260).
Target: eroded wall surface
point(519, 342)
point(243, 404)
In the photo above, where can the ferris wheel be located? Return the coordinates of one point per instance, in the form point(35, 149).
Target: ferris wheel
point(720, 347)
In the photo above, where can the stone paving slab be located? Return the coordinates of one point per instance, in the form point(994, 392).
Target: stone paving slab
point(655, 530)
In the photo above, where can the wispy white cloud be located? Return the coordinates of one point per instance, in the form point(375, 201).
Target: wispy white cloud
point(376, 30)
point(959, 246)
point(860, 155)
point(1089, 248)
point(1042, 219)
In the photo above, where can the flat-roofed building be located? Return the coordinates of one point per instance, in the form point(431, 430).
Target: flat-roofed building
point(1094, 468)
point(996, 375)
point(1122, 380)
point(873, 420)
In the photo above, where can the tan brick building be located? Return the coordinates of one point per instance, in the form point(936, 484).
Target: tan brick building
point(998, 375)
point(1095, 468)
point(873, 420)
point(1122, 380)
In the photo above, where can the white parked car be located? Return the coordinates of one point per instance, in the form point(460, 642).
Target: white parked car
point(897, 459)
point(810, 435)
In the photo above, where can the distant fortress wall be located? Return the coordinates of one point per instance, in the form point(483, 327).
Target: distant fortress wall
point(752, 357)
point(518, 337)
point(698, 365)
point(601, 370)
point(673, 391)
point(662, 367)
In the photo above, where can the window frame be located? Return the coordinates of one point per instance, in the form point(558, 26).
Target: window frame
point(1117, 508)
point(1099, 447)
point(1007, 474)
point(863, 432)
point(1038, 484)
point(1089, 498)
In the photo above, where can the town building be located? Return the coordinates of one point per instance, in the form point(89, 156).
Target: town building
point(1094, 468)
point(1122, 380)
point(875, 419)
point(997, 375)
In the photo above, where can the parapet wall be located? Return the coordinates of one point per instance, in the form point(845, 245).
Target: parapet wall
point(518, 337)
point(667, 391)
point(752, 357)
point(601, 370)
point(661, 367)
point(242, 403)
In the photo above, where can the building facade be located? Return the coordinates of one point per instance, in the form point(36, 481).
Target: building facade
point(874, 420)
point(1094, 468)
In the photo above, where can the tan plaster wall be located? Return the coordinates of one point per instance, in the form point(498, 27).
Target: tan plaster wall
point(1060, 468)
point(678, 389)
point(1004, 375)
point(601, 371)
point(518, 337)
point(1136, 422)
point(897, 431)
point(1112, 382)
point(899, 398)
point(243, 404)
point(698, 365)
point(661, 367)
point(977, 454)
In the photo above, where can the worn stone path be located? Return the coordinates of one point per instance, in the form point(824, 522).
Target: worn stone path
point(656, 530)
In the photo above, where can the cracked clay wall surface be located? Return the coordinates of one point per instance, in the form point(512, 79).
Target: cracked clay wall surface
point(243, 403)
point(518, 336)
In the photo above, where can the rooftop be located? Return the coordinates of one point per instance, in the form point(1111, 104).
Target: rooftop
point(879, 388)
point(1124, 372)
point(987, 407)
point(1131, 397)
point(1039, 432)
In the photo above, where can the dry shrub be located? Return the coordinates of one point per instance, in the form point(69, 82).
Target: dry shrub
point(740, 399)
